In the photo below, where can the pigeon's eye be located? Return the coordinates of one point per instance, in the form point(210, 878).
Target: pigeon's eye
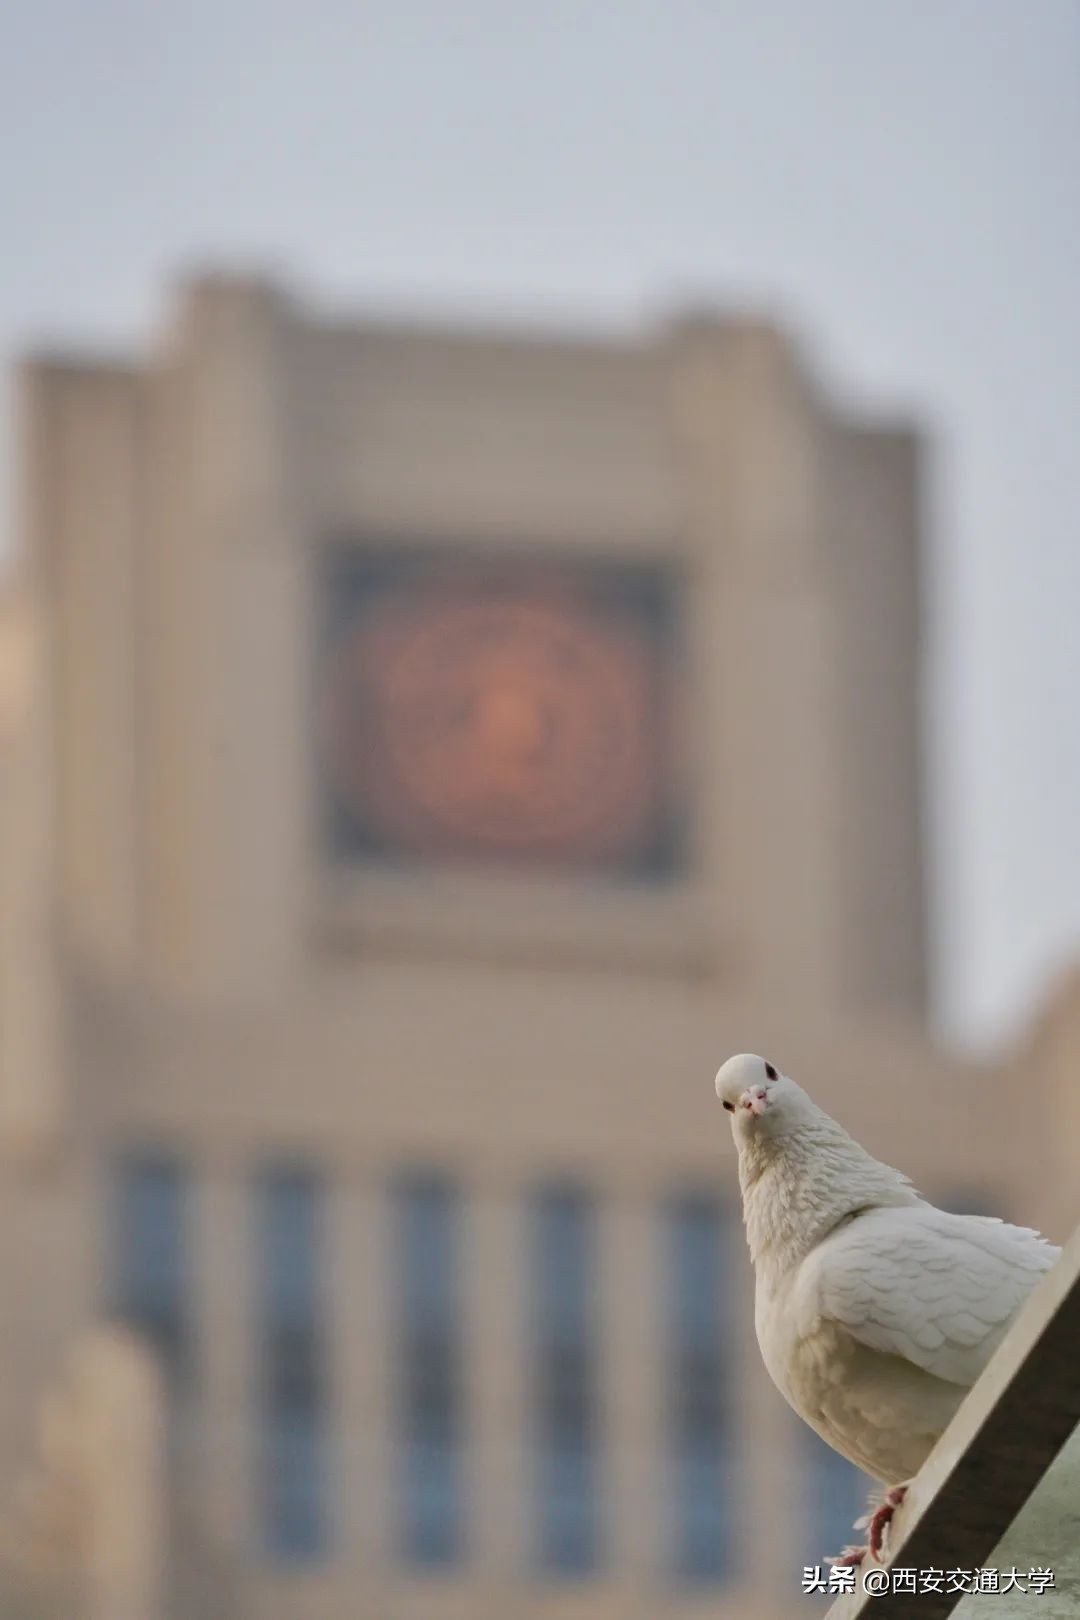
point(770, 1072)
point(730, 1107)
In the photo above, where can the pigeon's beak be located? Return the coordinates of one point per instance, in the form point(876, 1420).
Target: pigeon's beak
point(755, 1098)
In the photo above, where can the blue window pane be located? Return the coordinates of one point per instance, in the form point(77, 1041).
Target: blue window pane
point(835, 1493)
point(566, 1408)
point(430, 1371)
point(149, 1286)
point(292, 1450)
point(292, 1499)
point(699, 1430)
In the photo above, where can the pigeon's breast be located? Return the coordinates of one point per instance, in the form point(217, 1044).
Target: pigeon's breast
point(881, 1413)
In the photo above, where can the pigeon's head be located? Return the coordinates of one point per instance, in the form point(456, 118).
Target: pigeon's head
point(760, 1098)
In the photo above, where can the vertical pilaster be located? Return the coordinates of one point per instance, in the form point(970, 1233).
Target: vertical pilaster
point(229, 630)
point(33, 1098)
point(762, 657)
point(92, 550)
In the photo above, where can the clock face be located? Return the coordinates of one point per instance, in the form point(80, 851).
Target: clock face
point(520, 718)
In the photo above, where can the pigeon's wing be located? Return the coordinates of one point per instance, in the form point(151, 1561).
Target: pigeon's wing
point(939, 1290)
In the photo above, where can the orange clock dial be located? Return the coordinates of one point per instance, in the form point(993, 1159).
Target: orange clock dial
point(515, 723)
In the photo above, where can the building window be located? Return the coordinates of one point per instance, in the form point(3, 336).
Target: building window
point(429, 1362)
point(835, 1494)
point(566, 1388)
point(292, 1454)
point(699, 1378)
point(149, 1283)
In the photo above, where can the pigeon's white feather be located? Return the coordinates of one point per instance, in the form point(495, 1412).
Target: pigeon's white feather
point(937, 1289)
point(875, 1311)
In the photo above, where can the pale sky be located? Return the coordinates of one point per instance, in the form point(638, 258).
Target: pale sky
point(900, 182)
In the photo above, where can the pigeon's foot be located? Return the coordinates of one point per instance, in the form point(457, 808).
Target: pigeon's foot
point(877, 1526)
point(881, 1518)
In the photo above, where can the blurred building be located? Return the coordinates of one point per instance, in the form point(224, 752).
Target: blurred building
point(426, 755)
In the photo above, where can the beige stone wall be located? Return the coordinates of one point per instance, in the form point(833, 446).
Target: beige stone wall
point(33, 1095)
point(82, 552)
point(186, 510)
point(871, 501)
point(223, 611)
point(1042, 1078)
point(184, 969)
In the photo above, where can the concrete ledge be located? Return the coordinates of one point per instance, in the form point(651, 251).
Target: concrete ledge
point(1009, 1430)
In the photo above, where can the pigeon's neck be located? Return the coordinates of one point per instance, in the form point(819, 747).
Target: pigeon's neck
point(796, 1188)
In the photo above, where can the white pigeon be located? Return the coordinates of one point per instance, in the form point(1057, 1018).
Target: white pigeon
point(875, 1312)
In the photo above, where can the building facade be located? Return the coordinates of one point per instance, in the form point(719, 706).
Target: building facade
point(426, 755)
